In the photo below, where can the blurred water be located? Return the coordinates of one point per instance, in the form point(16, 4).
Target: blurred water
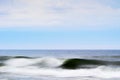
point(13, 70)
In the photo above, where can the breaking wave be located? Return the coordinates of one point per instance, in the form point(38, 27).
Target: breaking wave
point(59, 67)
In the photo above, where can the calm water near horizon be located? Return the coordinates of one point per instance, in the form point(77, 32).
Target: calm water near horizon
point(60, 53)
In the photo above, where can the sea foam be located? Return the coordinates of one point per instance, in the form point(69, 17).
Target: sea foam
point(50, 67)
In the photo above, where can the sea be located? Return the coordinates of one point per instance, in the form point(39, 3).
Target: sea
point(59, 64)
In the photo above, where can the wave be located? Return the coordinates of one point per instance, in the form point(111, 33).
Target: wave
point(70, 63)
point(58, 67)
point(99, 72)
point(86, 63)
point(38, 62)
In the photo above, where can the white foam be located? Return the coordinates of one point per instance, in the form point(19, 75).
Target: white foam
point(48, 62)
point(97, 72)
point(23, 67)
point(41, 62)
point(19, 62)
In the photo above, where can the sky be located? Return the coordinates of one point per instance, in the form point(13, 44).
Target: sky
point(59, 24)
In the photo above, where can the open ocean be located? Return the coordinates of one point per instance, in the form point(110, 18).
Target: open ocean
point(59, 64)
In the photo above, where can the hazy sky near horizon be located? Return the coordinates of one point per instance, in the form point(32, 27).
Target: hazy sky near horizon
point(59, 24)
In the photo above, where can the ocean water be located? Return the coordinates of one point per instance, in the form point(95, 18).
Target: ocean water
point(59, 64)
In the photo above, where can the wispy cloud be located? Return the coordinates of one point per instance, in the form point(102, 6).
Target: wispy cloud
point(39, 13)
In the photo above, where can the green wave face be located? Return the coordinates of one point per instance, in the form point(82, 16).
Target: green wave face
point(85, 63)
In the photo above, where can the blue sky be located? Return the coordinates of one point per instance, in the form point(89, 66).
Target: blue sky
point(59, 24)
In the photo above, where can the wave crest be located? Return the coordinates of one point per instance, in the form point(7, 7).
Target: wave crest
point(49, 66)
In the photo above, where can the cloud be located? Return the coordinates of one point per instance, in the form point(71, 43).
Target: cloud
point(52, 13)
